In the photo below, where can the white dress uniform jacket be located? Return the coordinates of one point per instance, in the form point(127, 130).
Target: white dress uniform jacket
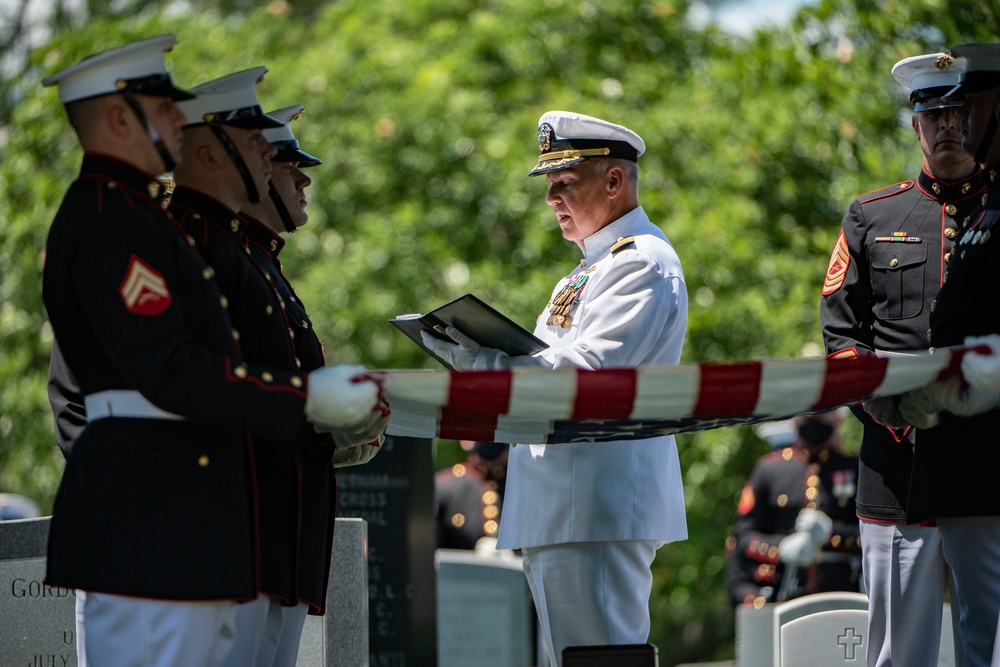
point(632, 311)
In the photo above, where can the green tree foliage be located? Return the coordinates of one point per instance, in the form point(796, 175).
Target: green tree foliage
point(424, 114)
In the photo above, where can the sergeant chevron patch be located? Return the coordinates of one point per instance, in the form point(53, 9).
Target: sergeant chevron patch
point(144, 291)
point(840, 259)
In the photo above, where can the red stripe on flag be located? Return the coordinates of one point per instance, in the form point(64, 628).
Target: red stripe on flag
point(604, 394)
point(728, 389)
point(849, 379)
point(474, 401)
point(483, 391)
point(459, 425)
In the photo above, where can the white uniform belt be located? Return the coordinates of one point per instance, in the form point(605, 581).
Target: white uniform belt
point(123, 403)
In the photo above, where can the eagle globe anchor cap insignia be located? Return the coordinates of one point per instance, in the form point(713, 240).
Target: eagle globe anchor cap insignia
point(944, 61)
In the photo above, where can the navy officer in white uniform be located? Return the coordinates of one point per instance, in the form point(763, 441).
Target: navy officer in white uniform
point(589, 517)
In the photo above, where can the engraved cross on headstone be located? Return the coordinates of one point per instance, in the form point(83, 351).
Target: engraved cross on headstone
point(849, 640)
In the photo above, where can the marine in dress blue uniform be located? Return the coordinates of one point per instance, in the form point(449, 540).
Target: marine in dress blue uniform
point(884, 272)
point(813, 475)
point(589, 517)
point(154, 519)
point(956, 461)
point(283, 210)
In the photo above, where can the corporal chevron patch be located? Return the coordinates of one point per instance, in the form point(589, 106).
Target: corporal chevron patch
point(144, 290)
point(840, 259)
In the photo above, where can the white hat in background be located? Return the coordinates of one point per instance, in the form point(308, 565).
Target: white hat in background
point(284, 140)
point(229, 100)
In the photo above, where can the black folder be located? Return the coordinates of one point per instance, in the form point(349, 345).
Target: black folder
point(477, 320)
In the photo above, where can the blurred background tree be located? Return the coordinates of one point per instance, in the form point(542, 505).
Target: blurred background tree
point(424, 113)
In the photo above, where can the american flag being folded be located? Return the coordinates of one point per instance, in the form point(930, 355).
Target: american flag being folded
point(533, 405)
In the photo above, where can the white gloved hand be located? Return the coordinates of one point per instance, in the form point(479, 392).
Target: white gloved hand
point(367, 431)
point(922, 407)
point(982, 371)
point(357, 455)
point(816, 523)
point(797, 549)
point(465, 354)
point(885, 411)
point(341, 396)
point(966, 401)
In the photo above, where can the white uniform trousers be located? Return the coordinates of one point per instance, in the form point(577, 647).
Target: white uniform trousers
point(904, 575)
point(119, 631)
point(267, 633)
point(590, 593)
point(972, 550)
point(996, 648)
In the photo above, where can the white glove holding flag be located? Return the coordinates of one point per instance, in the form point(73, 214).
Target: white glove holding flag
point(341, 396)
point(963, 400)
point(922, 407)
point(465, 354)
point(982, 371)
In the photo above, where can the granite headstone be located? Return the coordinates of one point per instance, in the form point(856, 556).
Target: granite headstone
point(394, 493)
point(822, 630)
point(485, 614)
point(38, 621)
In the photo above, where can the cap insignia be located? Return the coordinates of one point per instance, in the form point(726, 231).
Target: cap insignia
point(944, 61)
point(546, 135)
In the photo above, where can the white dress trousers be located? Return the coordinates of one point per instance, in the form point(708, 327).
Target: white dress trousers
point(267, 633)
point(590, 593)
point(118, 631)
point(904, 574)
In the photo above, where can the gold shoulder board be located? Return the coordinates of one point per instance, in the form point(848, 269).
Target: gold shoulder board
point(622, 243)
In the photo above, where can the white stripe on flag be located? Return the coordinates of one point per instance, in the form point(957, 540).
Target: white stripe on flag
point(910, 372)
point(790, 386)
point(542, 394)
point(666, 392)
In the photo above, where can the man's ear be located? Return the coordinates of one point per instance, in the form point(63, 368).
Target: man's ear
point(614, 181)
point(915, 125)
point(207, 158)
point(119, 119)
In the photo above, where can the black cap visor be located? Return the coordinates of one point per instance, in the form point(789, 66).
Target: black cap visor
point(567, 152)
point(154, 85)
point(975, 82)
point(289, 151)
